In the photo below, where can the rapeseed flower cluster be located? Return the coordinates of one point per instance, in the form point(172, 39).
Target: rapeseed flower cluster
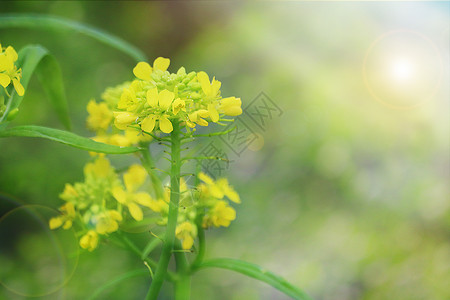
point(97, 204)
point(8, 70)
point(156, 98)
point(209, 201)
point(100, 120)
point(134, 112)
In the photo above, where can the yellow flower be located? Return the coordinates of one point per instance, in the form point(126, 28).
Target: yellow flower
point(196, 117)
point(99, 116)
point(8, 71)
point(122, 119)
point(186, 232)
point(220, 188)
point(220, 215)
point(101, 167)
point(144, 71)
point(107, 222)
point(159, 104)
point(231, 106)
point(128, 100)
point(89, 241)
point(178, 105)
point(211, 90)
point(112, 95)
point(133, 179)
point(119, 140)
point(69, 192)
point(65, 220)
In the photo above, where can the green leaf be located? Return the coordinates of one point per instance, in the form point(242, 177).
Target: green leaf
point(35, 21)
point(65, 137)
point(49, 74)
point(256, 272)
point(35, 58)
point(115, 281)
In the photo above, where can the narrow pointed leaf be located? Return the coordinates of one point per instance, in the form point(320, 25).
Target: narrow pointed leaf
point(35, 58)
point(36, 21)
point(49, 74)
point(65, 137)
point(257, 272)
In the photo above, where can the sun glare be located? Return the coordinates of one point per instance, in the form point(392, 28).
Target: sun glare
point(402, 70)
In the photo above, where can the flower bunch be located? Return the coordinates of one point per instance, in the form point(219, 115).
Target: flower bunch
point(100, 120)
point(204, 206)
point(8, 70)
point(97, 204)
point(157, 97)
point(155, 101)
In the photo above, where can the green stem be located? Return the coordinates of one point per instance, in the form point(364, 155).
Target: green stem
point(183, 284)
point(161, 269)
point(201, 246)
point(131, 246)
point(183, 287)
point(147, 162)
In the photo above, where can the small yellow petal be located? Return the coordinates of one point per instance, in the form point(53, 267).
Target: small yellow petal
point(193, 116)
point(4, 80)
point(152, 97)
point(165, 99)
point(135, 211)
point(165, 125)
point(203, 79)
point(190, 124)
point(216, 191)
point(67, 224)
point(205, 178)
point(143, 199)
point(18, 87)
point(215, 87)
point(161, 63)
point(114, 214)
point(119, 194)
point(89, 241)
point(10, 52)
point(233, 111)
point(202, 122)
point(143, 71)
point(213, 113)
point(178, 105)
point(203, 113)
point(188, 242)
point(123, 119)
point(134, 177)
point(55, 222)
point(148, 124)
point(231, 106)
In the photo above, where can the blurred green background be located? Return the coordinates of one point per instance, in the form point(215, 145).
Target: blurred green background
point(349, 196)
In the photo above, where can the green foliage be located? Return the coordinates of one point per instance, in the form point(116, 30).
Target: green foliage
point(65, 137)
point(257, 272)
point(35, 58)
point(54, 23)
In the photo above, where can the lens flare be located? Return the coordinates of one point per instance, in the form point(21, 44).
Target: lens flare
point(402, 69)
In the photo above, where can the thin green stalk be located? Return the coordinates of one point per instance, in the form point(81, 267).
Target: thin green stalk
point(183, 284)
point(147, 162)
point(201, 246)
point(161, 269)
point(131, 246)
point(183, 287)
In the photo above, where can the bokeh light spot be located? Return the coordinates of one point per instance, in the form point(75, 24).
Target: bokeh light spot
point(402, 69)
point(36, 261)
